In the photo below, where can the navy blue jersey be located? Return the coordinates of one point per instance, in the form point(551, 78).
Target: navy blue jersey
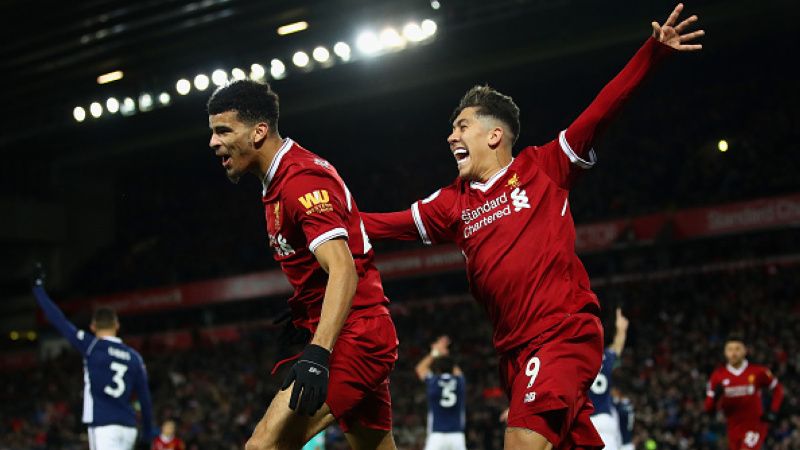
point(446, 403)
point(112, 373)
point(625, 411)
point(600, 392)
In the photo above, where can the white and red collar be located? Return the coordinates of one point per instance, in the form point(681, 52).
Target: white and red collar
point(276, 162)
point(739, 371)
point(485, 186)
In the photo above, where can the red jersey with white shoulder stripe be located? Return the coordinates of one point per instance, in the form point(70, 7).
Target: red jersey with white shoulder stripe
point(307, 204)
point(741, 400)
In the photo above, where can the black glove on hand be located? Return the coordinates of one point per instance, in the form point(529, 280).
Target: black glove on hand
point(37, 274)
point(769, 417)
point(719, 392)
point(310, 375)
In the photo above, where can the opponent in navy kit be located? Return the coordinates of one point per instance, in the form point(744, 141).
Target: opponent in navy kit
point(605, 417)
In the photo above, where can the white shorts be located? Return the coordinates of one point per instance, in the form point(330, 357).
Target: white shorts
point(446, 441)
point(627, 446)
point(112, 437)
point(607, 426)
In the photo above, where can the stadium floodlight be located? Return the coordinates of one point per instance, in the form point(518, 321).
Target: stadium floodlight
point(96, 109)
point(435, 4)
point(321, 54)
point(342, 50)
point(164, 98)
point(368, 43)
point(109, 77)
point(14, 335)
point(238, 74)
point(145, 102)
point(300, 59)
point(257, 72)
point(390, 38)
point(79, 114)
point(112, 105)
point(128, 107)
point(292, 28)
point(413, 32)
point(722, 145)
point(183, 86)
point(201, 82)
point(31, 335)
point(219, 77)
point(428, 27)
point(277, 69)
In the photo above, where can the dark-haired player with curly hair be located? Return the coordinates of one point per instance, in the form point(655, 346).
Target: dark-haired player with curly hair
point(511, 219)
point(318, 238)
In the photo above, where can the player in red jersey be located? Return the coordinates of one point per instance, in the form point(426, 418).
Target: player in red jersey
point(167, 439)
point(318, 238)
point(736, 389)
point(511, 219)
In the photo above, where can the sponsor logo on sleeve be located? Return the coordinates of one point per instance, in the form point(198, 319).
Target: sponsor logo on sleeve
point(317, 201)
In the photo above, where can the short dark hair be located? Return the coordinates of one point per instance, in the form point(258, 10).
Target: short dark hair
point(253, 102)
point(734, 337)
point(104, 318)
point(492, 103)
point(444, 364)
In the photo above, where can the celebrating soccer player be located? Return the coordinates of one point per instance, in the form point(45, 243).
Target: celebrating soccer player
point(736, 389)
point(113, 372)
point(445, 389)
point(511, 219)
point(318, 238)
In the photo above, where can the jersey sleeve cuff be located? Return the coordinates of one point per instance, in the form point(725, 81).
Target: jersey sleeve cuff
point(423, 233)
point(325, 237)
point(573, 157)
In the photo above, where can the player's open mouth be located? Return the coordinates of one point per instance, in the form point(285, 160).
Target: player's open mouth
point(226, 159)
point(461, 154)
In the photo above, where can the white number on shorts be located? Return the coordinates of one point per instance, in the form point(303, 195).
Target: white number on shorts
point(449, 397)
point(751, 438)
point(532, 370)
point(600, 385)
point(119, 382)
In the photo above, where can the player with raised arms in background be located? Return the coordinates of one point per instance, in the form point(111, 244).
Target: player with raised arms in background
point(317, 236)
point(605, 417)
point(736, 388)
point(112, 374)
point(511, 218)
point(445, 389)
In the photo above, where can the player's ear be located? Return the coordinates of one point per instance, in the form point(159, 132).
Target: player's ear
point(260, 133)
point(495, 136)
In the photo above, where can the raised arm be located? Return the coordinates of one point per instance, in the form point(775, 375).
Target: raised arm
point(77, 338)
point(438, 348)
point(394, 225)
point(667, 39)
point(620, 334)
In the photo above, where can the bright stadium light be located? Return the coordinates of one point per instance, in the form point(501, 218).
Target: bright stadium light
point(201, 82)
point(300, 59)
point(79, 114)
point(14, 335)
point(183, 86)
point(164, 98)
point(96, 109)
point(368, 43)
point(413, 32)
point(277, 69)
point(112, 105)
point(128, 107)
point(428, 27)
point(321, 54)
point(292, 28)
point(722, 145)
point(238, 74)
point(390, 38)
point(342, 50)
point(257, 72)
point(145, 102)
point(219, 77)
point(435, 4)
point(109, 77)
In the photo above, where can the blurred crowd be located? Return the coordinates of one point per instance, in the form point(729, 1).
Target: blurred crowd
point(217, 393)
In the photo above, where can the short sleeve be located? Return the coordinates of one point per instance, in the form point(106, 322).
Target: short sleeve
point(767, 379)
point(319, 204)
point(436, 216)
point(559, 161)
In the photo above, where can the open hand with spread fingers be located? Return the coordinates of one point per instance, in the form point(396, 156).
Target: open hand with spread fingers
point(675, 35)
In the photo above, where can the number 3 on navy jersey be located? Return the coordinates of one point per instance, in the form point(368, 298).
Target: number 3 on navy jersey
point(449, 397)
point(119, 383)
point(600, 385)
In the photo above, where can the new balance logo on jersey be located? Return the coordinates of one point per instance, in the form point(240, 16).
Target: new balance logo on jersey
point(282, 248)
point(314, 370)
point(519, 198)
point(529, 397)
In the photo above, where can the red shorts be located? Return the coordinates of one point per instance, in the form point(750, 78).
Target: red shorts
point(747, 437)
point(547, 382)
point(362, 358)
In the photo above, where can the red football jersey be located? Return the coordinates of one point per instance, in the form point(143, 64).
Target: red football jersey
point(741, 401)
point(308, 204)
point(174, 443)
